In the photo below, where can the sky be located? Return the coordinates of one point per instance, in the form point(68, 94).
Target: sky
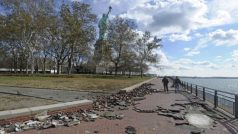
point(200, 37)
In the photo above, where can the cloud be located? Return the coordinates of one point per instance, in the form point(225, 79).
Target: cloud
point(189, 67)
point(179, 37)
point(187, 49)
point(177, 17)
point(217, 38)
point(183, 61)
point(235, 55)
point(221, 37)
point(170, 16)
point(192, 53)
point(201, 63)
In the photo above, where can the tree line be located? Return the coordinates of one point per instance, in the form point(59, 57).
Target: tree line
point(41, 35)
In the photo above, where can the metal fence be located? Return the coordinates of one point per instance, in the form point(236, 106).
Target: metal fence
point(220, 99)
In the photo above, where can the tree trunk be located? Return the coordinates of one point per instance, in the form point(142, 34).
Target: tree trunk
point(70, 61)
point(11, 67)
point(27, 65)
point(141, 71)
point(129, 73)
point(21, 64)
point(44, 62)
point(69, 65)
point(36, 66)
point(32, 62)
point(116, 68)
point(14, 64)
point(58, 67)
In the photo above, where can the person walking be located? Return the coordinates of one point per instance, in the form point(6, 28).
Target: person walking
point(177, 82)
point(165, 83)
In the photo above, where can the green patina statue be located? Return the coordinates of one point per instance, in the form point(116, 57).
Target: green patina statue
point(103, 25)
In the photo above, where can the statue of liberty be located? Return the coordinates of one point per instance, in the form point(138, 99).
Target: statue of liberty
point(103, 25)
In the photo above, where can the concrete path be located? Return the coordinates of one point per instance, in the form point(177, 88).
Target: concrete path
point(144, 123)
point(50, 94)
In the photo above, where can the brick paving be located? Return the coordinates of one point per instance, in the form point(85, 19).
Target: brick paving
point(144, 123)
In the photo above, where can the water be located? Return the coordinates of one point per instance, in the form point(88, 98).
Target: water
point(222, 84)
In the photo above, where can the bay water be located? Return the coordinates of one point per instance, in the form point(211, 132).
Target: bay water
point(222, 84)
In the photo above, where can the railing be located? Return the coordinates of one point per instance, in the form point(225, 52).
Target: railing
point(220, 99)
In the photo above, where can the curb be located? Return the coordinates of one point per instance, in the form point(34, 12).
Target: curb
point(129, 89)
point(54, 108)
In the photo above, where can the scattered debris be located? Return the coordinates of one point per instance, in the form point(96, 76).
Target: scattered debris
point(174, 116)
point(2, 132)
point(130, 130)
point(42, 116)
point(96, 131)
point(123, 99)
point(196, 132)
point(110, 115)
point(120, 116)
point(138, 98)
point(93, 116)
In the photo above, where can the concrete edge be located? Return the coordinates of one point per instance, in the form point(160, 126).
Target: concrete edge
point(129, 89)
point(34, 110)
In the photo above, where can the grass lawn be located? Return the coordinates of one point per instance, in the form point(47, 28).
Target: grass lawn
point(73, 82)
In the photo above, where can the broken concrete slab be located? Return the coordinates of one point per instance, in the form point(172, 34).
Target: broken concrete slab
point(138, 98)
point(199, 120)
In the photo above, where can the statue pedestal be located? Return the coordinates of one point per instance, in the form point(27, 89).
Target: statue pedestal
point(101, 56)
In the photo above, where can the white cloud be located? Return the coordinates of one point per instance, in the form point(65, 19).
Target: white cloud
point(198, 35)
point(221, 37)
point(235, 55)
point(183, 61)
point(171, 16)
point(192, 53)
point(179, 37)
point(177, 17)
point(201, 63)
point(189, 67)
point(187, 49)
point(217, 38)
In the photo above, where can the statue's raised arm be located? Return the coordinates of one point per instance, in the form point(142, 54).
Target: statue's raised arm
point(103, 25)
point(109, 11)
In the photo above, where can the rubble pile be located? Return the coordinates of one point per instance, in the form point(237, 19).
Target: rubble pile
point(123, 99)
point(45, 121)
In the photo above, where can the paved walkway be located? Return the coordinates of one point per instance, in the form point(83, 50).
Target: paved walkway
point(144, 123)
point(17, 97)
point(50, 94)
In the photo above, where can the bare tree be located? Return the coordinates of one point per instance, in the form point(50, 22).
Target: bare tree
point(121, 35)
point(145, 47)
point(78, 22)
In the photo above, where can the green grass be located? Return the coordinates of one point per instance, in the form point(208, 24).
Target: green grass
point(87, 82)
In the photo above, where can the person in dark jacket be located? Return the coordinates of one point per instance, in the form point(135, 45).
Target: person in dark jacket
point(177, 82)
point(165, 82)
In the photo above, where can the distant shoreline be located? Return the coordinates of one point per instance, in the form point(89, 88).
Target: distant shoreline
point(208, 77)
